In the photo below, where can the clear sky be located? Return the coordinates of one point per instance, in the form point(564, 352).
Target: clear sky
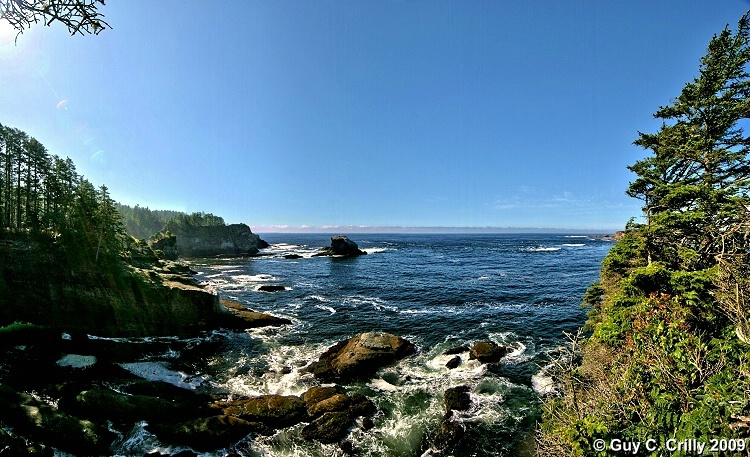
point(376, 113)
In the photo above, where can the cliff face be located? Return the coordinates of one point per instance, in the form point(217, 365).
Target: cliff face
point(216, 240)
point(125, 301)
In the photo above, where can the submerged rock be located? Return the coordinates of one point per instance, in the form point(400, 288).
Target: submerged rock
point(240, 317)
point(209, 433)
point(341, 245)
point(271, 288)
point(457, 350)
point(359, 357)
point(292, 256)
point(487, 352)
point(457, 398)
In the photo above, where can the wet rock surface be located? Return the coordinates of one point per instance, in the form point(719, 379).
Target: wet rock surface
point(457, 398)
point(240, 317)
point(274, 411)
point(487, 352)
point(359, 357)
point(342, 246)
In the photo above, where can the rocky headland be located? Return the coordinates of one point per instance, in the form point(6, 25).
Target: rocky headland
point(232, 240)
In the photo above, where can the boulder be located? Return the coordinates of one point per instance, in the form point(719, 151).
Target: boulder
point(487, 352)
point(271, 288)
point(331, 427)
point(209, 433)
point(359, 357)
point(240, 317)
point(457, 398)
point(453, 363)
point(275, 411)
point(292, 256)
point(333, 413)
point(450, 434)
point(341, 245)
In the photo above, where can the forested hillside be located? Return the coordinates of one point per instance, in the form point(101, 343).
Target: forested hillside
point(42, 194)
point(142, 222)
point(668, 358)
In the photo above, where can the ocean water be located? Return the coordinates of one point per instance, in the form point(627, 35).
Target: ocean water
point(438, 291)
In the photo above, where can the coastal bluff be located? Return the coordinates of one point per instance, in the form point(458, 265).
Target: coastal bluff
point(232, 240)
point(144, 297)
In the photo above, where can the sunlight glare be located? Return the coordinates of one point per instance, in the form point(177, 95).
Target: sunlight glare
point(7, 33)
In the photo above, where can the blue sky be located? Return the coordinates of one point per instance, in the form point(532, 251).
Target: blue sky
point(394, 113)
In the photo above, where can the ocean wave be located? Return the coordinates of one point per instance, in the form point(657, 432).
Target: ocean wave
point(376, 250)
point(326, 308)
point(543, 249)
point(574, 245)
point(253, 278)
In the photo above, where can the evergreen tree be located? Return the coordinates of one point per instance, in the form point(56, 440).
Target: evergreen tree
point(696, 184)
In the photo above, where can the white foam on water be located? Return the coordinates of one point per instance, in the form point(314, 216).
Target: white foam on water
point(574, 245)
point(156, 371)
point(319, 298)
point(391, 308)
point(138, 441)
point(77, 361)
point(576, 236)
point(543, 249)
point(286, 374)
point(326, 308)
point(376, 250)
point(253, 278)
point(543, 384)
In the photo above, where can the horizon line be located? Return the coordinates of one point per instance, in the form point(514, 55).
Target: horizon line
point(335, 229)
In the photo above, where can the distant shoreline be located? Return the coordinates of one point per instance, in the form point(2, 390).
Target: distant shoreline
point(334, 230)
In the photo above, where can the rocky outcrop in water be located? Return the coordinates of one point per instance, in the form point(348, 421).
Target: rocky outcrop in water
point(341, 246)
point(359, 357)
point(487, 352)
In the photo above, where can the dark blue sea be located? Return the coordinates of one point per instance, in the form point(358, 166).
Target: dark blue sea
point(438, 291)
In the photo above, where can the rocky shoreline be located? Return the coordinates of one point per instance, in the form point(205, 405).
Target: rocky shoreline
point(89, 394)
point(63, 389)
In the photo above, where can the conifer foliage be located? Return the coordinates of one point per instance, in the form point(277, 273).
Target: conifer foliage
point(42, 194)
point(668, 357)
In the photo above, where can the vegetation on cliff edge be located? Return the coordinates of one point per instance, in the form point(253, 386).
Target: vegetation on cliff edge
point(668, 354)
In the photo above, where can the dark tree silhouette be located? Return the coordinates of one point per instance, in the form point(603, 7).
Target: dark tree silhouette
point(79, 16)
